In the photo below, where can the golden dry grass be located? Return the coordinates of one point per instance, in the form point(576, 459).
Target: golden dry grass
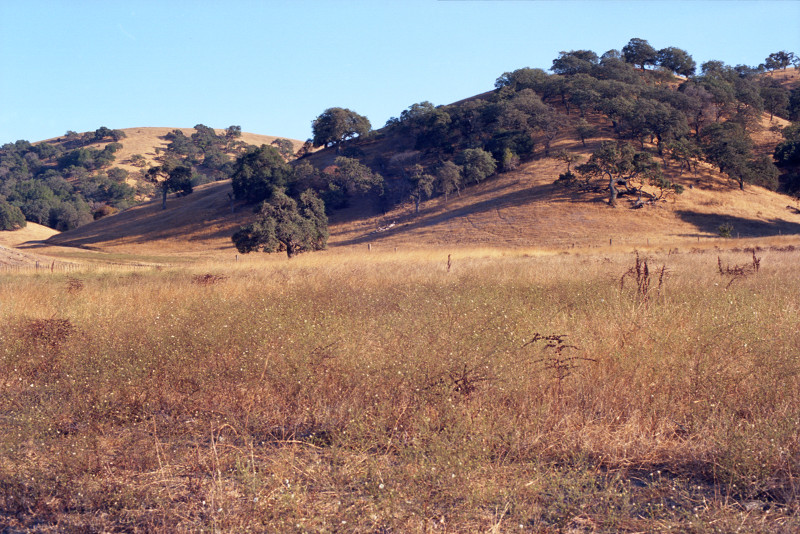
point(392, 392)
point(517, 209)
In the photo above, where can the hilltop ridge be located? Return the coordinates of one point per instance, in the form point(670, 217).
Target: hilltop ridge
point(694, 160)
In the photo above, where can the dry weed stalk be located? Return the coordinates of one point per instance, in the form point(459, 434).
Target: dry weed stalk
point(641, 273)
point(74, 285)
point(557, 361)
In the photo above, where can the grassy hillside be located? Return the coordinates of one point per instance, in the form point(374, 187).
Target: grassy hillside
point(522, 208)
point(148, 141)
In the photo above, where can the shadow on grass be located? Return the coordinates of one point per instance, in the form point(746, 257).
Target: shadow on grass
point(742, 227)
point(428, 215)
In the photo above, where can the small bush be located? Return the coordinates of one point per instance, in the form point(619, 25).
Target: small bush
point(725, 230)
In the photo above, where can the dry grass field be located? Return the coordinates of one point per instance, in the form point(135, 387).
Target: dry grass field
point(520, 358)
point(484, 390)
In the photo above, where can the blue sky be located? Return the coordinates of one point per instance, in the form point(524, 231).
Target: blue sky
point(272, 66)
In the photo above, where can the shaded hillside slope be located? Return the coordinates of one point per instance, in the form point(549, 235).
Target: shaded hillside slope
point(517, 209)
point(200, 221)
point(526, 209)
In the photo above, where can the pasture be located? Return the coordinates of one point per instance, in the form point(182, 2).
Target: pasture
point(491, 391)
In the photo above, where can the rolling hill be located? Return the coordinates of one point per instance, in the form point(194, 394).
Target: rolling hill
point(523, 208)
point(520, 208)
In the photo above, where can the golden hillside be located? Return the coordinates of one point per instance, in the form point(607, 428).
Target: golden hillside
point(517, 209)
point(145, 141)
point(520, 209)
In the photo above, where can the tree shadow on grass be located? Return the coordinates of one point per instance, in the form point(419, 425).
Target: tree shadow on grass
point(501, 196)
point(742, 227)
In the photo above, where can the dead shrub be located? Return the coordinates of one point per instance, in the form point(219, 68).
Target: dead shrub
point(208, 279)
point(52, 333)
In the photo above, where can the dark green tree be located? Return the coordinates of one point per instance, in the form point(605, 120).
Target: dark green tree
point(585, 130)
point(779, 60)
point(476, 164)
point(336, 125)
point(639, 52)
point(233, 132)
point(353, 177)
point(421, 185)
point(776, 100)
point(728, 146)
point(621, 165)
point(284, 224)
point(177, 179)
point(525, 78)
point(787, 152)
point(427, 123)
point(448, 178)
point(677, 60)
point(257, 172)
point(285, 147)
point(574, 62)
point(11, 217)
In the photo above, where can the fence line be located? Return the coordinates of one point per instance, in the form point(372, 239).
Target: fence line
point(56, 267)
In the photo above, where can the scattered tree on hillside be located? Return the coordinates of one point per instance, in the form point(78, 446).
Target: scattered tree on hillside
point(336, 125)
point(476, 165)
point(676, 60)
point(776, 100)
point(585, 130)
point(285, 147)
point(621, 165)
point(233, 132)
point(421, 185)
point(427, 123)
point(730, 148)
point(779, 60)
point(137, 160)
point(258, 172)
point(787, 153)
point(102, 133)
point(353, 177)
point(284, 224)
point(448, 178)
point(176, 179)
point(525, 78)
point(639, 52)
point(574, 62)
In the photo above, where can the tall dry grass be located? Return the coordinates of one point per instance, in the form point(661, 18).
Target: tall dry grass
point(392, 393)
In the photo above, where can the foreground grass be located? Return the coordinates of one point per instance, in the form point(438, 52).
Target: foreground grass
point(392, 394)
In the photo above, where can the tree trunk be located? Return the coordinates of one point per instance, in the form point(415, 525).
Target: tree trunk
point(612, 192)
point(164, 191)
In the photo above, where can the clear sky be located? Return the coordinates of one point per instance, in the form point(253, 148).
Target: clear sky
point(273, 66)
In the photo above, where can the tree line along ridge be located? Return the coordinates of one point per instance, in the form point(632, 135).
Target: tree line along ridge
point(652, 107)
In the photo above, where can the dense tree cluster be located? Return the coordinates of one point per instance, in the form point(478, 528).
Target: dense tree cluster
point(288, 219)
point(207, 153)
point(69, 182)
point(63, 185)
point(662, 112)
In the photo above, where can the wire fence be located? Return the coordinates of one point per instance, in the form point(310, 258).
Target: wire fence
point(54, 267)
